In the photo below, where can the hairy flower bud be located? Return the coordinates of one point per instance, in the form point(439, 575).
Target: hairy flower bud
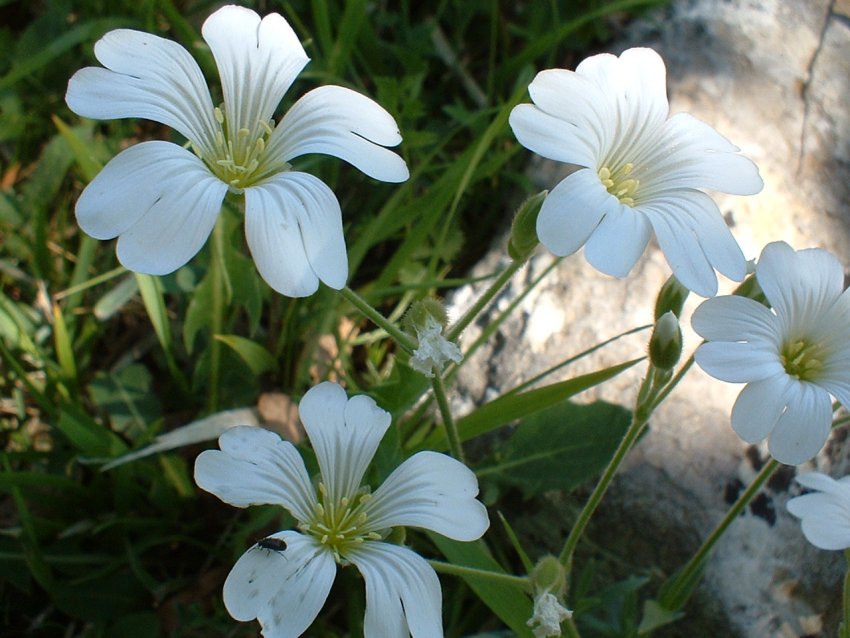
point(671, 297)
point(523, 239)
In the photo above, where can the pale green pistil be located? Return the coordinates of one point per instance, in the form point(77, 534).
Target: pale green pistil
point(619, 184)
point(340, 525)
point(239, 156)
point(802, 359)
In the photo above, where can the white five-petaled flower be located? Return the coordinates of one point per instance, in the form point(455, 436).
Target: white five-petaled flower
point(340, 521)
point(824, 513)
point(162, 200)
point(791, 358)
point(641, 170)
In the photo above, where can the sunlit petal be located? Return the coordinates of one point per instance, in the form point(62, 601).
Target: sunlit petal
point(333, 120)
point(402, 592)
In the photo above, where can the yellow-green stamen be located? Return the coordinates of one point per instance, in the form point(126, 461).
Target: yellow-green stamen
point(802, 359)
point(239, 156)
point(619, 184)
point(340, 525)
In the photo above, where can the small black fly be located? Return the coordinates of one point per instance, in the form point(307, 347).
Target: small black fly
point(272, 544)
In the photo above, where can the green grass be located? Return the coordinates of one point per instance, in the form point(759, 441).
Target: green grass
point(95, 361)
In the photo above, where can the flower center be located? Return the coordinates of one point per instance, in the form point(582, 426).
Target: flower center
point(802, 359)
point(340, 525)
point(238, 157)
point(619, 184)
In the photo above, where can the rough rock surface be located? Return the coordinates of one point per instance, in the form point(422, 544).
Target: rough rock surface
point(774, 77)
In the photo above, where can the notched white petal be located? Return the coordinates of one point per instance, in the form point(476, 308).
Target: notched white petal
point(431, 491)
point(284, 590)
point(572, 211)
point(618, 241)
point(402, 592)
point(148, 77)
point(160, 199)
point(258, 60)
point(804, 427)
point(345, 434)
point(256, 467)
point(333, 120)
point(293, 224)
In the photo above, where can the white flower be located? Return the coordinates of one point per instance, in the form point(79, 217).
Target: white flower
point(640, 170)
point(825, 513)
point(791, 358)
point(549, 613)
point(434, 350)
point(340, 521)
point(162, 200)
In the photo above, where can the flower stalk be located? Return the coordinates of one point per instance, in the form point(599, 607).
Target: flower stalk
point(521, 582)
point(449, 424)
point(401, 338)
point(639, 420)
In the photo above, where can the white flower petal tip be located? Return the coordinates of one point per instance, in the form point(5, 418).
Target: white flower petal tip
point(825, 512)
point(791, 358)
point(284, 580)
point(642, 170)
point(160, 201)
point(293, 225)
point(163, 213)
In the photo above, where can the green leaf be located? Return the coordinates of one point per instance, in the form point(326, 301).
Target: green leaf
point(103, 596)
point(255, 356)
point(36, 480)
point(25, 66)
point(151, 290)
point(87, 436)
point(508, 408)
point(126, 397)
point(509, 602)
point(560, 447)
point(64, 347)
point(655, 616)
point(152, 296)
point(199, 311)
point(116, 298)
point(81, 149)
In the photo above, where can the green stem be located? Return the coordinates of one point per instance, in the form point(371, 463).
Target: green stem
point(217, 316)
point(677, 593)
point(570, 629)
point(448, 422)
point(469, 316)
point(401, 338)
point(461, 570)
point(639, 419)
point(673, 382)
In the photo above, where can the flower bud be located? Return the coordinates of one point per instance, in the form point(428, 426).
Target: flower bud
point(549, 575)
point(671, 297)
point(523, 239)
point(549, 580)
point(665, 344)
